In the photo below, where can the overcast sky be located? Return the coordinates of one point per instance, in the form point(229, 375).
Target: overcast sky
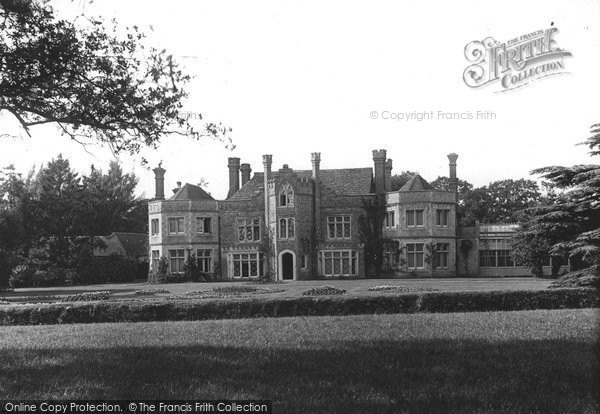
point(295, 77)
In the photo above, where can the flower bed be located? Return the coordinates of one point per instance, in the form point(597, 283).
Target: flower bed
point(400, 289)
point(323, 290)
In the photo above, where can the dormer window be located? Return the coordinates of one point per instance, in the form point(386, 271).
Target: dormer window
point(286, 196)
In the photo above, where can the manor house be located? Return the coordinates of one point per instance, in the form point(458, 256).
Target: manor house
point(306, 224)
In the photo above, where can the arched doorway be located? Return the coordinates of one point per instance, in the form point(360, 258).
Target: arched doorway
point(287, 265)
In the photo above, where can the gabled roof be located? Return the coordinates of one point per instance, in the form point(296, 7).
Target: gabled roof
point(191, 192)
point(351, 181)
point(416, 183)
point(135, 244)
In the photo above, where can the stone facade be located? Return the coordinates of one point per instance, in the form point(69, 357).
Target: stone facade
point(304, 224)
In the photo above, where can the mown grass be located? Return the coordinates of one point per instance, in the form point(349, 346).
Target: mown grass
point(530, 361)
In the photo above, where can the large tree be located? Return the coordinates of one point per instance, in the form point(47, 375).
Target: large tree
point(568, 225)
point(110, 202)
point(89, 80)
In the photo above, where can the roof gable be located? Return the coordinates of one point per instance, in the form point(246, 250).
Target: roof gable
point(416, 183)
point(191, 192)
point(135, 244)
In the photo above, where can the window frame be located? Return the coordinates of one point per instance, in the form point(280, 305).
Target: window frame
point(179, 219)
point(249, 226)
point(342, 221)
point(418, 256)
point(414, 214)
point(290, 224)
point(326, 257)
point(442, 213)
point(204, 220)
point(178, 259)
point(286, 196)
point(154, 227)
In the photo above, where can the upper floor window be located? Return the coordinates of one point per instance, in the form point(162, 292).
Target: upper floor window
point(203, 225)
point(286, 196)
point(176, 225)
point(338, 227)
point(390, 219)
point(154, 230)
point(248, 230)
point(286, 228)
point(414, 218)
point(441, 218)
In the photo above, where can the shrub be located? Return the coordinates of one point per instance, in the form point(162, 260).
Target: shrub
point(107, 269)
point(137, 311)
point(87, 296)
point(21, 277)
point(323, 290)
point(589, 277)
point(54, 276)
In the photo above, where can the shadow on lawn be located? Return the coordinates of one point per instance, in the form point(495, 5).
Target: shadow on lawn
point(384, 376)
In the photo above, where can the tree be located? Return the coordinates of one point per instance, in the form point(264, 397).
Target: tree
point(111, 204)
point(498, 202)
point(568, 224)
point(90, 82)
point(59, 212)
point(398, 180)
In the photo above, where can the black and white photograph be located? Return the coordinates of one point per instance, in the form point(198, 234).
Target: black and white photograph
point(299, 206)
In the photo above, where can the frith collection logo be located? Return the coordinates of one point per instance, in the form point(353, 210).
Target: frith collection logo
point(514, 63)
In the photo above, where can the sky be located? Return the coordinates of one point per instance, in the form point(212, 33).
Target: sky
point(295, 77)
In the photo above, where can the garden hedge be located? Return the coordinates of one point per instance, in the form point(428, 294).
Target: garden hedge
point(160, 310)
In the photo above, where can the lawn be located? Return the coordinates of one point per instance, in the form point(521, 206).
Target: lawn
point(542, 361)
point(288, 289)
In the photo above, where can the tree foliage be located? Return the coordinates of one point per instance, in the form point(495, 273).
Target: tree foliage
point(89, 80)
point(568, 225)
point(56, 213)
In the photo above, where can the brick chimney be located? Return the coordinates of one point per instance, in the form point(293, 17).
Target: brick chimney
point(159, 182)
point(315, 158)
point(453, 180)
point(234, 175)
point(379, 168)
point(388, 175)
point(246, 170)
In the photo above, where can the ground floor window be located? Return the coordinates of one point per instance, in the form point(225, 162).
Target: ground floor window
point(495, 258)
point(415, 254)
point(247, 264)
point(303, 261)
point(155, 260)
point(176, 260)
point(204, 257)
point(441, 254)
point(390, 255)
point(338, 262)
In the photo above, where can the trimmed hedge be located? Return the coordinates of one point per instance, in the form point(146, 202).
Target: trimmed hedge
point(139, 311)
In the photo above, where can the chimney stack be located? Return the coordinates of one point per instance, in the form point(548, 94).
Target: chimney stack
point(159, 180)
point(453, 180)
point(388, 175)
point(177, 188)
point(315, 157)
point(246, 170)
point(234, 175)
point(379, 164)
